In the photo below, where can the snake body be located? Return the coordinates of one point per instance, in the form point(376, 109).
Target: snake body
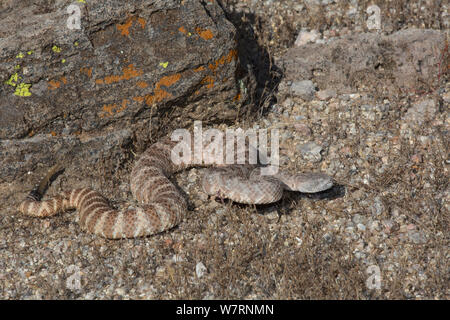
point(161, 205)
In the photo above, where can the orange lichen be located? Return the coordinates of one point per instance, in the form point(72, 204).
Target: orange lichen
point(222, 60)
point(148, 99)
point(87, 71)
point(109, 108)
point(182, 30)
point(53, 133)
point(204, 34)
point(142, 84)
point(142, 22)
point(237, 97)
point(123, 107)
point(201, 68)
point(112, 79)
point(160, 94)
point(127, 73)
point(130, 72)
point(124, 28)
point(53, 84)
point(209, 81)
point(138, 99)
point(212, 67)
point(232, 55)
point(168, 80)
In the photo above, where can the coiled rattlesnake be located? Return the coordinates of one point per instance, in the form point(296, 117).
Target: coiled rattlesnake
point(162, 206)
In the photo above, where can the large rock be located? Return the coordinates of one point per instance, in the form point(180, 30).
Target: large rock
point(132, 72)
point(406, 61)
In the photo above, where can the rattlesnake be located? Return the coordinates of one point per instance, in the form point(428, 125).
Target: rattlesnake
point(162, 206)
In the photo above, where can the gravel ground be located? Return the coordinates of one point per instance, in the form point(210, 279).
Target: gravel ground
point(381, 233)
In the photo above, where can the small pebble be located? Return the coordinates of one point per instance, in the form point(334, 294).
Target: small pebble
point(377, 207)
point(302, 129)
point(272, 214)
point(391, 226)
point(421, 111)
point(305, 37)
point(328, 238)
point(200, 269)
point(417, 237)
point(326, 94)
point(361, 227)
point(304, 89)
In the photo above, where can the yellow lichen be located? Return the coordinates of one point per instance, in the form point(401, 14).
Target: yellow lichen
point(13, 80)
point(22, 90)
